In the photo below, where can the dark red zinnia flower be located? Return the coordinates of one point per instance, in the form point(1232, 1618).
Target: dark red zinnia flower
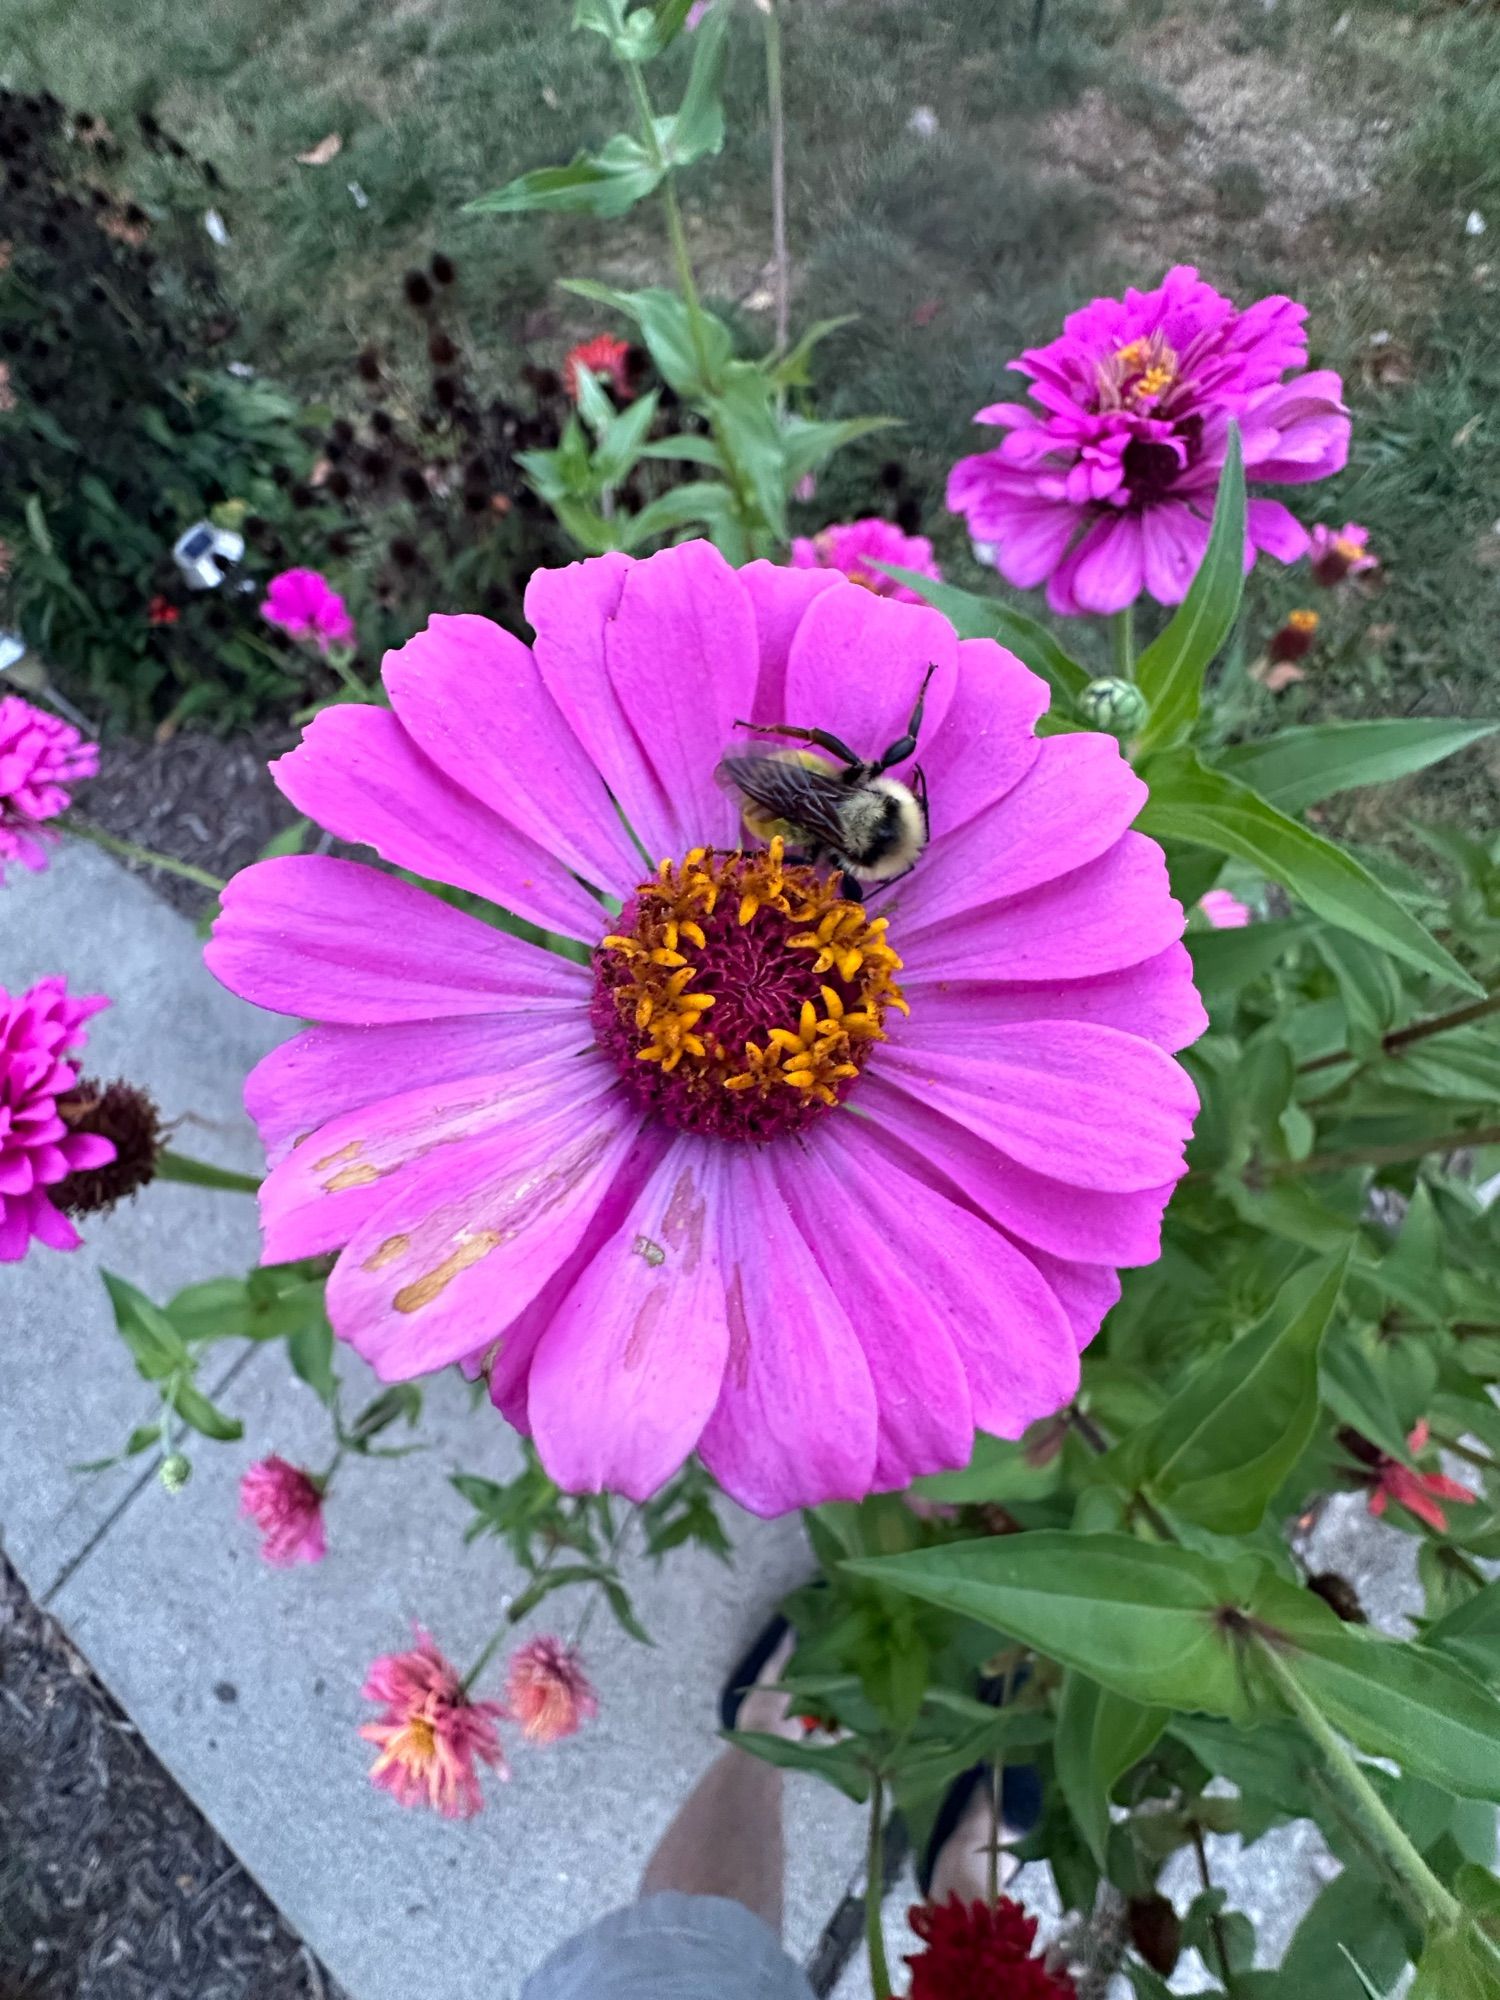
point(976, 1952)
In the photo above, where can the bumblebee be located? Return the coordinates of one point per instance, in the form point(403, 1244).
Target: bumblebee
point(849, 816)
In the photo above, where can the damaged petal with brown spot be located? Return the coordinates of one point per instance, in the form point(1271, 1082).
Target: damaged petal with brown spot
point(742, 993)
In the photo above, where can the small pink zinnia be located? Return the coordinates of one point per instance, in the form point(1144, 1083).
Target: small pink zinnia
point(666, 1235)
point(40, 758)
point(547, 1690)
point(306, 606)
point(1339, 552)
point(431, 1737)
point(286, 1504)
point(41, 1031)
point(605, 355)
point(1418, 1492)
point(1105, 484)
point(855, 547)
point(1224, 912)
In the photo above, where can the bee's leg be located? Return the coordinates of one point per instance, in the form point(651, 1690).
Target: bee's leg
point(919, 793)
point(819, 738)
point(905, 746)
point(850, 887)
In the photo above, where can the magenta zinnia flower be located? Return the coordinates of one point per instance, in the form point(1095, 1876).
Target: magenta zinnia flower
point(1105, 485)
point(547, 1690)
point(855, 547)
point(286, 1504)
point(41, 1031)
point(306, 606)
point(431, 1737)
point(40, 758)
point(631, 1186)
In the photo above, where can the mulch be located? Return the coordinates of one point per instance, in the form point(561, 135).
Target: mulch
point(112, 1884)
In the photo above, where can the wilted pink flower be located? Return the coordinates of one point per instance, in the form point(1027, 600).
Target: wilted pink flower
point(1224, 912)
point(855, 547)
point(561, 1168)
point(40, 758)
point(1418, 1492)
point(547, 1690)
point(432, 1737)
point(1105, 485)
point(41, 1031)
point(1339, 552)
point(605, 355)
point(286, 1504)
point(306, 606)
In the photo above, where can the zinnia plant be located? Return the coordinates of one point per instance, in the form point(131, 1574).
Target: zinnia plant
point(858, 548)
point(631, 1189)
point(41, 1034)
point(41, 759)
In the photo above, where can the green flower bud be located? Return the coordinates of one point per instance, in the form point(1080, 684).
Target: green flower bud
point(1117, 707)
point(175, 1471)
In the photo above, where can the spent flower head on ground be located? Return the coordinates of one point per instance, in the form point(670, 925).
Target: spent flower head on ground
point(41, 1034)
point(1104, 486)
point(431, 1736)
point(286, 1505)
point(629, 1191)
point(857, 548)
point(41, 759)
point(307, 607)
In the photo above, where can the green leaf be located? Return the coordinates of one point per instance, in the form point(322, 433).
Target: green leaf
point(1143, 1619)
point(667, 330)
point(794, 369)
point(618, 1599)
point(605, 184)
point(620, 446)
point(696, 450)
point(1221, 1448)
point(998, 1470)
point(1170, 671)
point(679, 507)
point(1354, 1912)
point(986, 618)
point(1296, 768)
point(1470, 1633)
point(156, 1347)
point(1191, 802)
point(1099, 1736)
point(194, 1408)
point(805, 444)
point(1369, 986)
point(1225, 962)
point(310, 1351)
point(743, 416)
point(837, 1764)
point(698, 125)
point(36, 524)
point(1457, 1965)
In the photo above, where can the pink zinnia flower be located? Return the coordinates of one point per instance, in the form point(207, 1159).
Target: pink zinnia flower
point(1224, 912)
point(605, 355)
point(286, 1504)
point(41, 1031)
point(562, 1169)
point(1105, 485)
point(40, 758)
point(547, 1690)
point(855, 547)
point(431, 1737)
point(306, 606)
point(1339, 552)
point(1418, 1492)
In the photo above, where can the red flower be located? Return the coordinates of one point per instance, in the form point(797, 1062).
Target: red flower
point(160, 612)
point(607, 355)
point(1418, 1492)
point(975, 1952)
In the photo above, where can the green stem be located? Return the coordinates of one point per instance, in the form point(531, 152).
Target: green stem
point(146, 857)
point(172, 1166)
point(1385, 1156)
point(1122, 631)
point(321, 1479)
point(1215, 1922)
point(776, 111)
point(487, 1652)
point(1401, 1038)
point(1366, 1812)
point(880, 1972)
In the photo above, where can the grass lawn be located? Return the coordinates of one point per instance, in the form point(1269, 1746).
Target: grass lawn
point(1332, 151)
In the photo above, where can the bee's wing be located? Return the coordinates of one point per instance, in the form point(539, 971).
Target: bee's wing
point(788, 790)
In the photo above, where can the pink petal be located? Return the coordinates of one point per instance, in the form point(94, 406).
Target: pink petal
point(358, 773)
point(49, 1225)
point(1174, 541)
point(1155, 1000)
point(779, 598)
point(572, 611)
point(1112, 913)
point(795, 1424)
point(352, 1168)
point(470, 695)
point(985, 743)
point(324, 1072)
point(683, 660)
point(630, 1369)
point(332, 940)
point(1007, 1327)
point(1275, 528)
point(1073, 1223)
point(1074, 802)
point(1105, 572)
point(856, 668)
point(1086, 1292)
point(472, 1235)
